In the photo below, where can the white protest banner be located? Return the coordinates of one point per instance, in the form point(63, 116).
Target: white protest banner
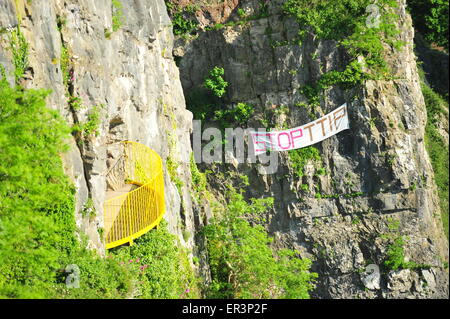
point(302, 136)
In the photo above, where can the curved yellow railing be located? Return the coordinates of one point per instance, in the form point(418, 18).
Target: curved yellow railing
point(132, 214)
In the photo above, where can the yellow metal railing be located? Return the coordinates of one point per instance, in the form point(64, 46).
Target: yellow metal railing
point(132, 214)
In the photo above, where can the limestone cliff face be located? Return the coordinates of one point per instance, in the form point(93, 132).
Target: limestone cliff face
point(382, 156)
point(129, 74)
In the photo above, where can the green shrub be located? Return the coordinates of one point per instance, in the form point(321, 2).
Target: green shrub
point(345, 22)
point(181, 25)
point(430, 17)
point(295, 278)
point(199, 181)
point(89, 127)
point(164, 269)
point(75, 103)
point(19, 49)
point(99, 278)
point(37, 223)
point(205, 102)
point(240, 114)
point(182, 21)
point(172, 165)
point(117, 17)
point(36, 199)
point(215, 82)
point(326, 21)
point(93, 121)
point(242, 263)
point(437, 148)
point(64, 61)
point(263, 10)
point(241, 13)
point(395, 254)
point(300, 157)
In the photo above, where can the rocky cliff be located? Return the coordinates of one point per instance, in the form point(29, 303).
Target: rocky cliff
point(378, 182)
point(128, 76)
point(382, 160)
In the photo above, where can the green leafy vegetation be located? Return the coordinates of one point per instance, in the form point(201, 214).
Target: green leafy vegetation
point(215, 81)
point(430, 17)
point(240, 114)
point(345, 22)
point(19, 49)
point(395, 253)
point(241, 261)
point(300, 157)
point(437, 108)
point(36, 197)
point(92, 124)
point(199, 180)
point(172, 168)
point(182, 25)
point(395, 258)
point(183, 20)
point(37, 202)
point(38, 238)
point(88, 209)
point(206, 103)
point(75, 103)
point(64, 61)
point(117, 17)
point(325, 21)
point(98, 277)
point(241, 13)
point(164, 268)
point(93, 121)
point(202, 103)
point(172, 161)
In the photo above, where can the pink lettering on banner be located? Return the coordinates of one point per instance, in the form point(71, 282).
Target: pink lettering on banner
point(288, 139)
point(256, 141)
point(338, 116)
point(316, 131)
point(293, 137)
point(263, 142)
